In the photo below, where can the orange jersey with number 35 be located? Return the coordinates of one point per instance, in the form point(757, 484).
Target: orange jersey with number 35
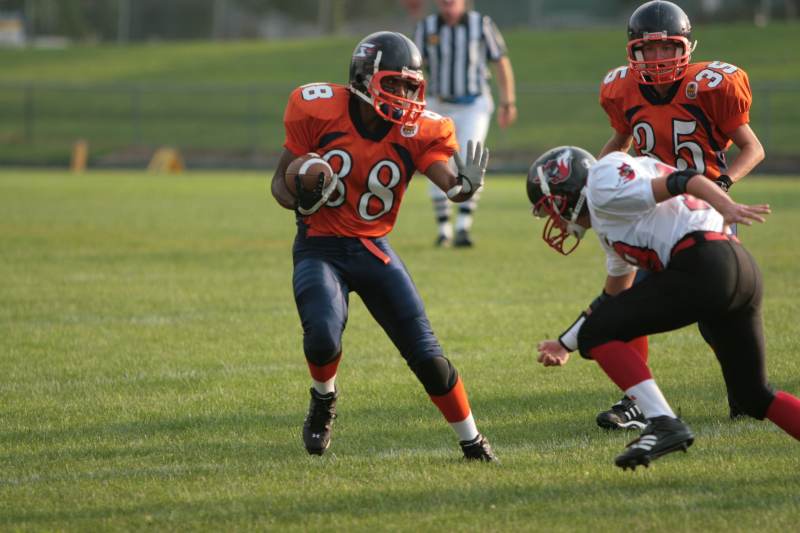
point(690, 127)
point(374, 168)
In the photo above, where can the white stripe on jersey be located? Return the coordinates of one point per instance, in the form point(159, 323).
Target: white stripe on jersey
point(477, 68)
point(626, 217)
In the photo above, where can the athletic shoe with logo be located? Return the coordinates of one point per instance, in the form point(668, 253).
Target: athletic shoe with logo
point(624, 414)
point(661, 436)
point(478, 449)
point(319, 421)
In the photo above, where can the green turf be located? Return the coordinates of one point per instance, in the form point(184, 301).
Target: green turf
point(153, 377)
point(230, 96)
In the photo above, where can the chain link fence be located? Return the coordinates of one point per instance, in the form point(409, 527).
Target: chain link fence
point(241, 126)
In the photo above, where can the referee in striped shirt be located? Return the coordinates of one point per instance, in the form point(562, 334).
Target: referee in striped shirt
point(458, 45)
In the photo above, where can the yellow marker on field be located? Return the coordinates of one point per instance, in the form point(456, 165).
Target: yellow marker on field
point(80, 155)
point(166, 160)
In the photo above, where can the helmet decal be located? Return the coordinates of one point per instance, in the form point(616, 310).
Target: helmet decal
point(556, 188)
point(364, 50)
point(558, 169)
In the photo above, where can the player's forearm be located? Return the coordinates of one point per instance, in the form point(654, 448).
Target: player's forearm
point(751, 154)
point(281, 193)
point(505, 82)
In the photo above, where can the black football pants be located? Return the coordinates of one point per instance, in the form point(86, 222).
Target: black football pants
point(716, 284)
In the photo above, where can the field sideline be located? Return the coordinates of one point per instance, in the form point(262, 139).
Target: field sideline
point(153, 374)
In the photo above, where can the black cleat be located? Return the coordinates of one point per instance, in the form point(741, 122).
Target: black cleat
point(624, 414)
point(661, 436)
point(478, 449)
point(463, 239)
point(443, 241)
point(319, 421)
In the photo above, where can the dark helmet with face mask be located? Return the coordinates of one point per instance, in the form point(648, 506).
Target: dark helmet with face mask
point(556, 187)
point(383, 55)
point(659, 21)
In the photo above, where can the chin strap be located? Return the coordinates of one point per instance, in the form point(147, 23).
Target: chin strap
point(573, 227)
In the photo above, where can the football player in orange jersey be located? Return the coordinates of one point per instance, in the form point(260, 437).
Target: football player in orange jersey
point(375, 133)
point(684, 114)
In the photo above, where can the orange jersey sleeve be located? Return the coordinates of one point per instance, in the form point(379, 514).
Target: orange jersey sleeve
point(612, 93)
point(305, 115)
point(724, 91)
point(438, 141)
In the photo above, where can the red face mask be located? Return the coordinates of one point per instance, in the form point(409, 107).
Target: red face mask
point(556, 229)
point(395, 108)
point(659, 71)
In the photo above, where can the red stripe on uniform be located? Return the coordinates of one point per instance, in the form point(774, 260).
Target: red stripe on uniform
point(784, 411)
point(642, 347)
point(621, 363)
point(326, 372)
point(374, 250)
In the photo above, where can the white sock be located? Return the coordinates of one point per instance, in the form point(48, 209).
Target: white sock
point(466, 429)
point(463, 222)
point(650, 400)
point(324, 387)
point(446, 229)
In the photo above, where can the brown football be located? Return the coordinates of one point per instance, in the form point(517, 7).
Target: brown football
point(308, 167)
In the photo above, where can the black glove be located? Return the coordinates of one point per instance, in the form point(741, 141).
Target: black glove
point(724, 182)
point(309, 202)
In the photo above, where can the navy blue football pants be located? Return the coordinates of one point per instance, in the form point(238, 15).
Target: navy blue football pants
point(327, 269)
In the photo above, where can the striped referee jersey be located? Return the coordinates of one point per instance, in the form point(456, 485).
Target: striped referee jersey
point(456, 56)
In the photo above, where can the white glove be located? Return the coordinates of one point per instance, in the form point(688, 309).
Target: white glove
point(471, 172)
point(319, 198)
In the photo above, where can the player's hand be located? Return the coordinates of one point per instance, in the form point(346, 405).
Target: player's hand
point(734, 213)
point(471, 171)
point(552, 353)
point(309, 202)
point(506, 115)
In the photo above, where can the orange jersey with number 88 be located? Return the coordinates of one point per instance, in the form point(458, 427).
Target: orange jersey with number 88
point(374, 168)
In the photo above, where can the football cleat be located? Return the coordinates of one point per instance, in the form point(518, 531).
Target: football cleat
point(624, 414)
point(478, 449)
point(443, 241)
point(319, 421)
point(661, 436)
point(463, 239)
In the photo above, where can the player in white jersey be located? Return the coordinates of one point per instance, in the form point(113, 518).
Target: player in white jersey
point(650, 215)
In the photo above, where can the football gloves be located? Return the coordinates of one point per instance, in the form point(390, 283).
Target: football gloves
point(471, 171)
point(309, 202)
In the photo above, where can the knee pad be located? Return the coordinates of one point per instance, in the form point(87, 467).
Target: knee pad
point(320, 347)
point(437, 375)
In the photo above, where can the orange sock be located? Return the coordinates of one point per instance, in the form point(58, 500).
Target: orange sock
point(454, 405)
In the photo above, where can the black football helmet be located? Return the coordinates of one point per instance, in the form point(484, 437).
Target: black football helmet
point(382, 55)
point(659, 21)
point(557, 190)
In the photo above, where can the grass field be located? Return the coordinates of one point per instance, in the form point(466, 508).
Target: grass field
point(230, 96)
point(152, 375)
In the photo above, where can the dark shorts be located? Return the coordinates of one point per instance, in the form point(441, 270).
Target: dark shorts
point(327, 269)
point(716, 284)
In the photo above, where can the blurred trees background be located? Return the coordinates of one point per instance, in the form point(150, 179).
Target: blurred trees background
point(143, 20)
